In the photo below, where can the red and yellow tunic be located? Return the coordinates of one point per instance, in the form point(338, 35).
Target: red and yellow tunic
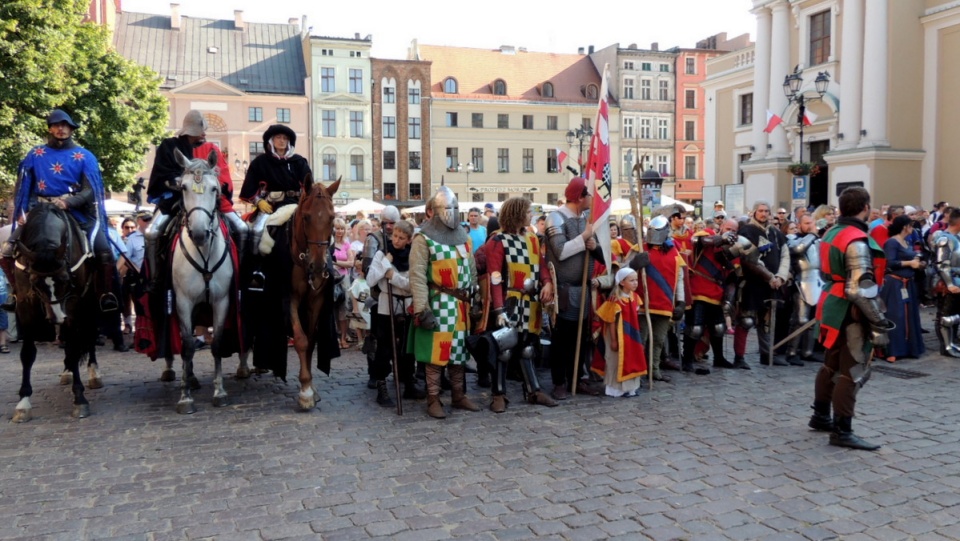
point(707, 273)
point(623, 314)
point(834, 306)
point(663, 274)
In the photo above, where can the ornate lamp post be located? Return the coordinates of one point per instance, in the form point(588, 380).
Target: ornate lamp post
point(469, 168)
point(581, 134)
point(791, 88)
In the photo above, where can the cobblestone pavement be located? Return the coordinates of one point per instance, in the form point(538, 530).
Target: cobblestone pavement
point(724, 456)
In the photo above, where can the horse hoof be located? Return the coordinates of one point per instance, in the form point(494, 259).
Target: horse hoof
point(22, 416)
point(306, 404)
point(66, 379)
point(184, 408)
point(82, 411)
point(220, 401)
point(243, 373)
point(168, 375)
point(193, 382)
point(95, 383)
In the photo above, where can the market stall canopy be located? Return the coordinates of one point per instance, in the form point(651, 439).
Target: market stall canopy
point(361, 205)
point(623, 204)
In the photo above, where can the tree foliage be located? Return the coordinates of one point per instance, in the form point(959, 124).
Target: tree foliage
point(50, 58)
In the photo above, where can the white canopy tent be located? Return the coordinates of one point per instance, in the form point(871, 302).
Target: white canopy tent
point(622, 205)
point(361, 205)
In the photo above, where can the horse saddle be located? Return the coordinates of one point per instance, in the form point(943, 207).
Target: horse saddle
point(280, 217)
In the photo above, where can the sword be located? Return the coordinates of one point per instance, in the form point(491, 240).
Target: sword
point(802, 329)
point(773, 323)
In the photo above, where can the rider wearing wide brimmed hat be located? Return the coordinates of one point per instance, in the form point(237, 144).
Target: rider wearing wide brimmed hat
point(67, 175)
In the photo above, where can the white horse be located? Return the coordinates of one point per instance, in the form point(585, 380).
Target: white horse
point(202, 271)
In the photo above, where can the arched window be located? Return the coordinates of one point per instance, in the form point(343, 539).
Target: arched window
point(499, 87)
point(547, 90)
point(592, 92)
point(450, 85)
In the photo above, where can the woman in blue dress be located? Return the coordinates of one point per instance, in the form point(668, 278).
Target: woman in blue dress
point(899, 292)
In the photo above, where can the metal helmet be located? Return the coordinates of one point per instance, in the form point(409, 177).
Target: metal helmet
point(628, 228)
point(658, 232)
point(445, 207)
point(390, 214)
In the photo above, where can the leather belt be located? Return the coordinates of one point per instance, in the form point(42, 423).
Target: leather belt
point(459, 294)
point(280, 195)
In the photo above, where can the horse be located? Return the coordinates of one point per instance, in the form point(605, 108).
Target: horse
point(311, 280)
point(202, 273)
point(53, 281)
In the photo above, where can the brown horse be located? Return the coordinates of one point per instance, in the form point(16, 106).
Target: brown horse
point(311, 295)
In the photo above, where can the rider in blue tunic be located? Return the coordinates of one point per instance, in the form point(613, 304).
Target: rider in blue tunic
point(67, 175)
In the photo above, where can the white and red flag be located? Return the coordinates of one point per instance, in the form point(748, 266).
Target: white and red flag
point(809, 117)
point(772, 121)
point(598, 174)
point(561, 156)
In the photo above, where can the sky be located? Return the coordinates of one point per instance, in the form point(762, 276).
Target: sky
point(555, 27)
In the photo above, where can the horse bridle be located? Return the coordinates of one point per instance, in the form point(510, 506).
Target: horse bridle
point(64, 264)
point(214, 223)
point(306, 259)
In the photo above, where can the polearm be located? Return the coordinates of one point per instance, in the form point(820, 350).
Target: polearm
point(583, 298)
point(393, 344)
point(637, 210)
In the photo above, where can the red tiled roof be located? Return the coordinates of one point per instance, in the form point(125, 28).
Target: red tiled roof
point(524, 73)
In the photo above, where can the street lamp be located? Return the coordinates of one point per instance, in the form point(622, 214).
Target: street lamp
point(469, 168)
point(791, 88)
point(241, 167)
point(581, 134)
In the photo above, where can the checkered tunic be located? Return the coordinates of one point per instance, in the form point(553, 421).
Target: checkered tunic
point(448, 267)
point(522, 261)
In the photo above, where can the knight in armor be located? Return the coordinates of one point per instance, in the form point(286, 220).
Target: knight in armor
point(709, 269)
point(443, 280)
point(378, 241)
point(946, 243)
point(665, 290)
point(67, 175)
point(519, 281)
point(163, 191)
point(761, 284)
point(851, 319)
point(804, 247)
point(569, 240)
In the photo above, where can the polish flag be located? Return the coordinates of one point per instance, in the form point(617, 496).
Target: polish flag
point(809, 117)
point(772, 122)
point(561, 156)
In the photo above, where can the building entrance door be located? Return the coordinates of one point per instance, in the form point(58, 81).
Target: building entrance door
point(819, 183)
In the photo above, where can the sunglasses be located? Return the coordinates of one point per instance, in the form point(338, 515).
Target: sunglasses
point(129, 227)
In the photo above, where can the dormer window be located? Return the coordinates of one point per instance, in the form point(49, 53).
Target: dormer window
point(592, 92)
point(499, 87)
point(450, 85)
point(547, 90)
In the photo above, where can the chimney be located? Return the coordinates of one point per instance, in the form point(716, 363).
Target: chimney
point(238, 19)
point(356, 36)
point(579, 50)
point(590, 49)
point(654, 46)
point(175, 16)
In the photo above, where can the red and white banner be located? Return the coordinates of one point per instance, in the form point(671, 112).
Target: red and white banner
point(598, 175)
point(809, 117)
point(561, 157)
point(772, 121)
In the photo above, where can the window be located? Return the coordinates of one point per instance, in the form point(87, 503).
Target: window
point(628, 65)
point(503, 160)
point(528, 122)
point(547, 90)
point(552, 198)
point(355, 54)
point(662, 132)
point(476, 158)
point(645, 128)
point(356, 168)
point(592, 92)
point(689, 167)
point(414, 159)
point(551, 122)
point(451, 120)
point(328, 82)
point(453, 159)
point(664, 90)
point(326, 52)
point(665, 68)
point(690, 131)
point(255, 149)
point(356, 81)
point(627, 127)
point(628, 89)
point(389, 94)
point(552, 165)
point(255, 114)
point(356, 123)
point(691, 67)
point(389, 127)
point(328, 123)
point(283, 115)
point(690, 99)
point(819, 37)
point(501, 197)
point(503, 121)
point(662, 165)
point(746, 109)
point(645, 66)
point(476, 120)
point(416, 191)
point(499, 88)
point(450, 85)
point(413, 95)
point(413, 127)
point(645, 89)
point(329, 167)
point(389, 159)
point(389, 190)
point(528, 160)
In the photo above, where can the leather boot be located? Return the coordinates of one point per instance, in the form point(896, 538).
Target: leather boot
point(383, 397)
point(458, 396)
point(843, 436)
point(499, 404)
point(434, 406)
point(542, 399)
point(821, 420)
point(108, 301)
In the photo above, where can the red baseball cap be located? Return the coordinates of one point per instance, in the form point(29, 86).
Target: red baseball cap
point(576, 190)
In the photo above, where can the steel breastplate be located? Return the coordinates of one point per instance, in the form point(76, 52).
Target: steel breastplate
point(809, 282)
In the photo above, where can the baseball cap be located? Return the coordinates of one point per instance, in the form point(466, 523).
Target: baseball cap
point(909, 209)
point(718, 203)
point(576, 190)
point(488, 206)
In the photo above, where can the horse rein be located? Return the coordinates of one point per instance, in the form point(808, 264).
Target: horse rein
point(214, 222)
point(305, 257)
